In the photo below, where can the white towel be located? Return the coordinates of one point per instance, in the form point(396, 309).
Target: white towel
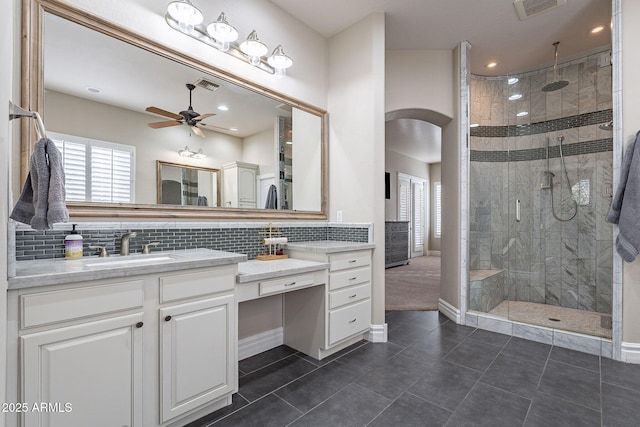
point(42, 201)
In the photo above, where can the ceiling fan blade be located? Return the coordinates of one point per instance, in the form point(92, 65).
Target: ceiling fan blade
point(160, 111)
point(203, 116)
point(197, 131)
point(165, 124)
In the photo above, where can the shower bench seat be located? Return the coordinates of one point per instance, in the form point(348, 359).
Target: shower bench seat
point(486, 289)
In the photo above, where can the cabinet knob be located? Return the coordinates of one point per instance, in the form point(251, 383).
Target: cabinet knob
point(139, 325)
point(166, 319)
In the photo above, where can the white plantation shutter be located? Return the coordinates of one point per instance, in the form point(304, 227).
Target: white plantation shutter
point(96, 171)
point(404, 199)
point(437, 214)
point(418, 216)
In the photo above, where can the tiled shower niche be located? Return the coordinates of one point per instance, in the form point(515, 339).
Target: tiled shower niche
point(561, 263)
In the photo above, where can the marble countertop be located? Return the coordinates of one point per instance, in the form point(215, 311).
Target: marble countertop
point(58, 271)
point(250, 271)
point(329, 246)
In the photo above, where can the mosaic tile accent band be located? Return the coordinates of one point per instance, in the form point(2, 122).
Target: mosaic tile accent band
point(32, 245)
point(540, 153)
point(563, 123)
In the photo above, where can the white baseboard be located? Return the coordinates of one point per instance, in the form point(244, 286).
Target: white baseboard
point(630, 352)
point(377, 333)
point(448, 310)
point(250, 346)
point(434, 253)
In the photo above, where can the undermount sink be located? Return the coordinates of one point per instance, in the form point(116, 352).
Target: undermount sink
point(125, 261)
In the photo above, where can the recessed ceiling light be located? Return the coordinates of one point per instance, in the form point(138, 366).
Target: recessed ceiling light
point(93, 89)
point(522, 113)
point(233, 129)
point(596, 30)
point(515, 96)
point(223, 108)
point(513, 80)
point(474, 125)
point(491, 64)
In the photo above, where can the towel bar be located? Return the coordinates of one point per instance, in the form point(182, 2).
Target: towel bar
point(19, 112)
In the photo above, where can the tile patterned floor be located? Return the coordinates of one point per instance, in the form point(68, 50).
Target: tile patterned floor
point(433, 372)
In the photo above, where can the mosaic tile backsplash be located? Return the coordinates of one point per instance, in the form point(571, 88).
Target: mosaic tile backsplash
point(31, 245)
point(564, 263)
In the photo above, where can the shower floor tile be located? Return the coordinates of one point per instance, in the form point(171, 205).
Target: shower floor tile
point(551, 316)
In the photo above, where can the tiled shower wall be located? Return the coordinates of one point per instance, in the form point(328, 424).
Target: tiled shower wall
point(545, 260)
point(242, 238)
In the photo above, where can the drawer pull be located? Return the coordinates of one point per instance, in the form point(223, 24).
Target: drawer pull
point(353, 296)
point(353, 321)
point(351, 261)
point(290, 284)
point(139, 325)
point(352, 278)
point(166, 319)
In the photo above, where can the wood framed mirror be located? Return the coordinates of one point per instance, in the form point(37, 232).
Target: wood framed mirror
point(300, 173)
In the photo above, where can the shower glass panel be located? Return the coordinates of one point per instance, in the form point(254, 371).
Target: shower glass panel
point(540, 248)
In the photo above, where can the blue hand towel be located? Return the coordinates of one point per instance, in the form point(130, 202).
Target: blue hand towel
point(625, 209)
point(42, 201)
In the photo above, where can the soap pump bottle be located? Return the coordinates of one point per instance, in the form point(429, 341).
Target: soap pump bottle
point(73, 244)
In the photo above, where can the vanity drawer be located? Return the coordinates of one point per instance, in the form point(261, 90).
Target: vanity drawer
point(348, 296)
point(349, 260)
point(45, 308)
point(285, 284)
point(190, 285)
point(349, 278)
point(347, 321)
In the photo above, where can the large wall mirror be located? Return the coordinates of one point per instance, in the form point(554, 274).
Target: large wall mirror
point(99, 87)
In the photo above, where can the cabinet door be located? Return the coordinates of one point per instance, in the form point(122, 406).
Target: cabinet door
point(247, 185)
point(197, 354)
point(84, 375)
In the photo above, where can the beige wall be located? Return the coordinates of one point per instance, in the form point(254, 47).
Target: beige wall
point(435, 171)
point(394, 163)
point(307, 161)
point(630, 125)
point(356, 154)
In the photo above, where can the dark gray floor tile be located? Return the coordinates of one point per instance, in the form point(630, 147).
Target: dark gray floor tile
point(268, 411)
point(237, 403)
point(393, 377)
point(352, 406)
point(490, 407)
point(489, 337)
point(264, 381)
point(453, 331)
point(548, 411)
point(473, 354)
point(430, 349)
point(263, 359)
point(424, 319)
point(621, 374)
point(620, 406)
point(316, 387)
point(409, 410)
point(514, 375)
point(528, 350)
point(408, 334)
point(369, 356)
point(332, 357)
point(445, 384)
point(576, 358)
point(568, 382)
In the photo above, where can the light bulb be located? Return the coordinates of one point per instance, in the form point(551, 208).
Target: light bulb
point(187, 15)
point(223, 32)
point(253, 48)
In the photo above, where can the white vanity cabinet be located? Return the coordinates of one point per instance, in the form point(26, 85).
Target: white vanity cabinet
point(347, 310)
point(81, 356)
point(239, 185)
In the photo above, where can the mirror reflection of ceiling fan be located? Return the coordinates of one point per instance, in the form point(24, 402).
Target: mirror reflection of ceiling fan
point(188, 117)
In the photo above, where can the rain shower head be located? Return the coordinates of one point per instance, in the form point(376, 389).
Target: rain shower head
point(555, 84)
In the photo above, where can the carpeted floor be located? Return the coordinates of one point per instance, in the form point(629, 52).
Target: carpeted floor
point(415, 286)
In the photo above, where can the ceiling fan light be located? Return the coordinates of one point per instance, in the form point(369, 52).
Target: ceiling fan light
point(253, 48)
point(187, 15)
point(223, 32)
point(280, 61)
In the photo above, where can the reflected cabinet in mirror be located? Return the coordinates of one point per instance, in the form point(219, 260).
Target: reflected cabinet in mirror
point(118, 106)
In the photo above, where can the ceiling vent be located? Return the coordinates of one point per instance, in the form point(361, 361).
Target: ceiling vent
point(528, 8)
point(207, 84)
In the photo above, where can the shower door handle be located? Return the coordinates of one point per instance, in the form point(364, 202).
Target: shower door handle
point(518, 210)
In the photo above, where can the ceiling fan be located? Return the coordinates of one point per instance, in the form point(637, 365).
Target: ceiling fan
point(188, 116)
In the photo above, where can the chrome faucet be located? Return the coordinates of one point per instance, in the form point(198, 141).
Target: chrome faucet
point(124, 242)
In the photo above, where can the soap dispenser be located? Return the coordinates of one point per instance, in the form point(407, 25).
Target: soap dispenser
point(73, 244)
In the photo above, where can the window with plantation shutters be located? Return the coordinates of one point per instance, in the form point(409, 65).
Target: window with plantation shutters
point(96, 171)
point(437, 208)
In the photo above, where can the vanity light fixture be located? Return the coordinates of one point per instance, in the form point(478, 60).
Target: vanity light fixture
point(184, 17)
point(186, 152)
